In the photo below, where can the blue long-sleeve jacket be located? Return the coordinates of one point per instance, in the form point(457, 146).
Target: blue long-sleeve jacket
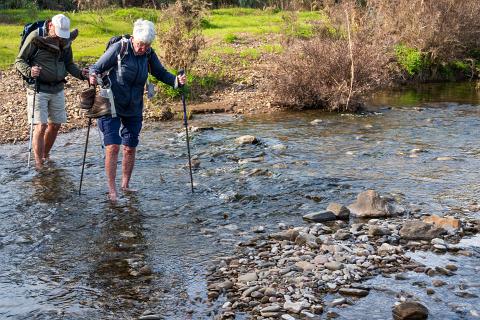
point(128, 93)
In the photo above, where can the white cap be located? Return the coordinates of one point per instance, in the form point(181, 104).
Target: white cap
point(62, 26)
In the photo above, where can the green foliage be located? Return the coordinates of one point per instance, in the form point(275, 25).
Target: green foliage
point(231, 38)
point(460, 65)
point(132, 14)
point(196, 84)
point(410, 59)
point(271, 48)
point(96, 27)
point(250, 53)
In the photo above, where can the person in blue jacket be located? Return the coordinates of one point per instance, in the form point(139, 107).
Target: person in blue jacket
point(128, 63)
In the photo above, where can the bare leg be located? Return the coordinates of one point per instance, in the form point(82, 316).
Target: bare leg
point(39, 144)
point(127, 166)
point(50, 136)
point(111, 158)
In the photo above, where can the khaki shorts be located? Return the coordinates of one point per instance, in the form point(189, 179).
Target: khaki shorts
point(49, 107)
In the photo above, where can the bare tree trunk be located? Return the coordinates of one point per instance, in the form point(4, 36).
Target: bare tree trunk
point(352, 70)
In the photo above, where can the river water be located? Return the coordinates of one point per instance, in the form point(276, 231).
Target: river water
point(65, 256)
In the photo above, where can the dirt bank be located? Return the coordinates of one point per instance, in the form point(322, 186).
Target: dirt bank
point(246, 97)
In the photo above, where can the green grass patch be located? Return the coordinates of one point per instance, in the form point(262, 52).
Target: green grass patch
point(231, 38)
point(195, 84)
point(250, 53)
point(223, 26)
point(272, 48)
point(222, 22)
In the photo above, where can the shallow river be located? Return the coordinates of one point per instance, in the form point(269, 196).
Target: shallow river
point(65, 256)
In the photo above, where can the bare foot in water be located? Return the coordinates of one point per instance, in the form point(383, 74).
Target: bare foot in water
point(112, 196)
point(129, 190)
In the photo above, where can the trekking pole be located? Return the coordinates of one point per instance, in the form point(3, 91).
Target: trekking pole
point(30, 142)
point(84, 156)
point(100, 135)
point(181, 72)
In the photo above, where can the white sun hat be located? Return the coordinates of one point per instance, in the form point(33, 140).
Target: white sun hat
point(62, 26)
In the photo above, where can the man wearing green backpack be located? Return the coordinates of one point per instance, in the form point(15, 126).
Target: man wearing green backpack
point(44, 60)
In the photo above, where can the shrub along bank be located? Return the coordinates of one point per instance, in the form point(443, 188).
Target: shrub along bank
point(363, 46)
point(330, 59)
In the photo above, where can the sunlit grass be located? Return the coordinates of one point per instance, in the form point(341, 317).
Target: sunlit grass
point(222, 26)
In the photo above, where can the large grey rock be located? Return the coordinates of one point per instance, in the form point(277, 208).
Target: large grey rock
point(410, 311)
point(321, 216)
point(419, 230)
point(339, 210)
point(248, 139)
point(369, 204)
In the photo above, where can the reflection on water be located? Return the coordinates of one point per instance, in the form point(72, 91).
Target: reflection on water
point(432, 93)
point(52, 184)
point(68, 257)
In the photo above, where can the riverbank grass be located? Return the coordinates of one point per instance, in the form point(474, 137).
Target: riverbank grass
point(221, 28)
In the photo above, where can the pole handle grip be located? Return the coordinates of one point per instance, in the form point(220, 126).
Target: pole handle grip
point(180, 72)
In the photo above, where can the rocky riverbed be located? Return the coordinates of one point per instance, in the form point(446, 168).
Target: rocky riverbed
point(286, 274)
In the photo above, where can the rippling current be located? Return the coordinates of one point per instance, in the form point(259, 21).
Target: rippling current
point(65, 256)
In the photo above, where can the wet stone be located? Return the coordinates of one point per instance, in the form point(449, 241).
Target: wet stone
point(321, 216)
point(465, 294)
point(410, 310)
point(247, 139)
point(451, 267)
point(353, 292)
point(338, 302)
point(150, 317)
point(438, 283)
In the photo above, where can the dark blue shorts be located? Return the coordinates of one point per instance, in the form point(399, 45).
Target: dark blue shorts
point(120, 130)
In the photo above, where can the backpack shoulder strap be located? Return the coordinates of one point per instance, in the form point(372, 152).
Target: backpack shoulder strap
point(121, 54)
point(123, 47)
point(42, 28)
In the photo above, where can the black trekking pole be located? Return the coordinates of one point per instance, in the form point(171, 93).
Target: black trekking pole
point(181, 72)
point(30, 142)
point(84, 156)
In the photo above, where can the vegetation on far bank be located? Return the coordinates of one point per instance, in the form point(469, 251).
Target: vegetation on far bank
point(329, 58)
point(96, 27)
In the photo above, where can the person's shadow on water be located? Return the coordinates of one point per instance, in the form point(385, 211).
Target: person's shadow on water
point(120, 270)
point(52, 185)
